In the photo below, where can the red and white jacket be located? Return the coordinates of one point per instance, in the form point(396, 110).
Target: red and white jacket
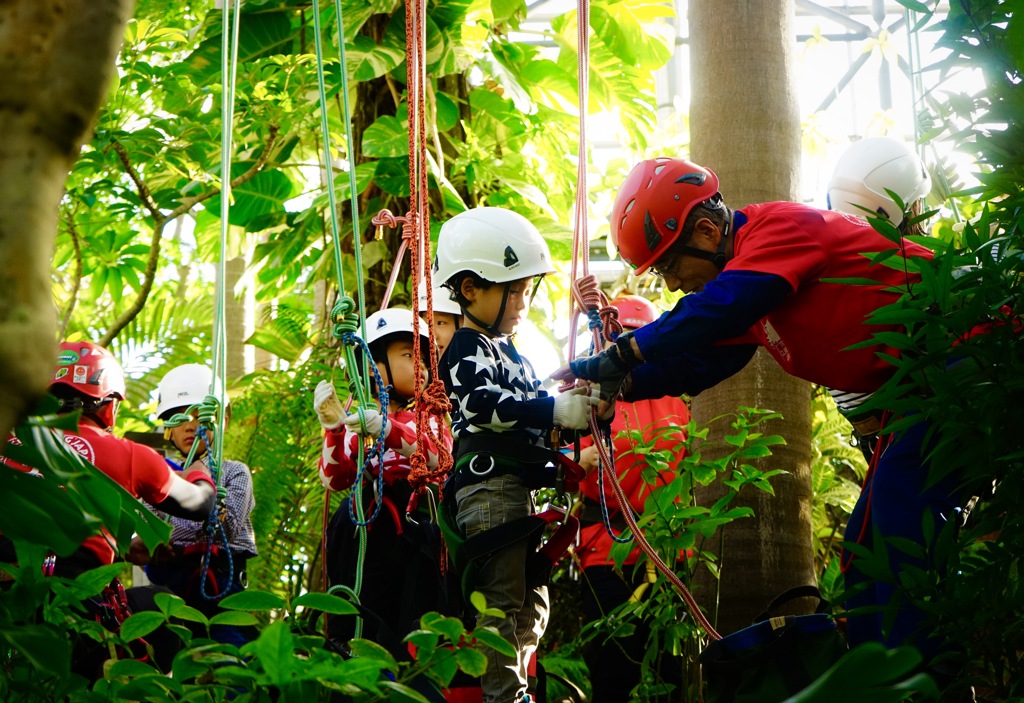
point(338, 460)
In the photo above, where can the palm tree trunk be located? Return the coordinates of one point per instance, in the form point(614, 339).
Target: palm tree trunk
point(745, 126)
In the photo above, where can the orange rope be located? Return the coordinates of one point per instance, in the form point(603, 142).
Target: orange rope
point(431, 399)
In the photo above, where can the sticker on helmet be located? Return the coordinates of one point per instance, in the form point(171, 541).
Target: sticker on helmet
point(510, 258)
point(66, 357)
point(61, 373)
point(81, 374)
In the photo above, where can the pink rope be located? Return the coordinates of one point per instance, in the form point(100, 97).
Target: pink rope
point(587, 297)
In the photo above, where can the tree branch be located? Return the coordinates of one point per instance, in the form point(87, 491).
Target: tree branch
point(73, 296)
point(160, 222)
point(140, 185)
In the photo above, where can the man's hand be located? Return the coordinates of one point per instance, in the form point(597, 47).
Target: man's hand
point(588, 458)
point(138, 553)
point(327, 406)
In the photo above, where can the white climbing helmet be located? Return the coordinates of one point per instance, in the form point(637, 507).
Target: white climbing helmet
point(868, 168)
point(183, 386)
point(384, 323)
point(442, 298)
point(496, 244)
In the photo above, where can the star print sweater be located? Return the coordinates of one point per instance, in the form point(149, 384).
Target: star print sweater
point(493, 389)
point(338, 461)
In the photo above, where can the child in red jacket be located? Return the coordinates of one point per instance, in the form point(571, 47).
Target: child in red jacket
point(401, 577)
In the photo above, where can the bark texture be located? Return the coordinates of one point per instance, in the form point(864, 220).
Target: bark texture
point(56, 61)
point(745, 126)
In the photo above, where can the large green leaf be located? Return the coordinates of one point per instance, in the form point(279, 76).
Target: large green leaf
point(92, 491)
point(47, 649)
point(368, 60)
point(261, 34)
point(263, 194)
point(386, 137)
point(392, 175)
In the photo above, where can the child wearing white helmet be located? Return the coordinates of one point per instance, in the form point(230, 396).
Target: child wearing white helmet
point(490, 258)
point(447, 313)
point(402, 578)
point(179, 567)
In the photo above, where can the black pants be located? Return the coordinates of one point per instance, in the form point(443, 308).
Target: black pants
point(401, 574)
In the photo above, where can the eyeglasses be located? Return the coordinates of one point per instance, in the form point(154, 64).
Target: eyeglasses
point(664, 268)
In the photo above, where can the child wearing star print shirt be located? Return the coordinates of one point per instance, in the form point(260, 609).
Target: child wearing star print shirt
point(489, 258)
point(401, 569)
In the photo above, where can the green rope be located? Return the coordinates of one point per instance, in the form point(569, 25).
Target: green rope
point(345, 320)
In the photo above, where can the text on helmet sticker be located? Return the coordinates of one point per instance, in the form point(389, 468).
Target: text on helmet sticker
point(81, 374)
point(66, 357)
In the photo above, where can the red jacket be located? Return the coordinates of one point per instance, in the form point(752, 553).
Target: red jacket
point(341, 450)
point(644, 416)
point(137, 468)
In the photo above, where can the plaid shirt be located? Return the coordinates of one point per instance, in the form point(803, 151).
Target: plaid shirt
point(236, 518)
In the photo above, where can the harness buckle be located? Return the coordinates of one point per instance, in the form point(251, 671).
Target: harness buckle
point(472, 465)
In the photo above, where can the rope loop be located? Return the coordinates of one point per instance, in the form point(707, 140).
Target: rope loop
point(344, 318)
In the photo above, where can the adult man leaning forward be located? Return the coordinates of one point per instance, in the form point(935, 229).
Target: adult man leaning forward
point(761, 276)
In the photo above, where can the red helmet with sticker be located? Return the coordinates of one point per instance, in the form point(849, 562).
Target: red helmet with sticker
point(652, 205)
point(89, 369)
point(635, 311)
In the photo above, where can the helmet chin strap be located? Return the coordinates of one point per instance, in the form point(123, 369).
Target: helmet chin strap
point(494, 327)
point(717, 257)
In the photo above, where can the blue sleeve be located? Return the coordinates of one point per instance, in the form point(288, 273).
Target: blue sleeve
point(681, 347)
point(689, 373)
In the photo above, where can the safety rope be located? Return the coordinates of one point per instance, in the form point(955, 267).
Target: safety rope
point(347, 317)
point(211, 410)
point(432, 403)
point(603, 319)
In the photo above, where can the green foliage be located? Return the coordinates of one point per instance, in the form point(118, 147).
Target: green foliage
point(959, 369)
point(677, 528)
point(870, 672)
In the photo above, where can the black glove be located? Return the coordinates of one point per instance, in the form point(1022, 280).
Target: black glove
point(607, 370)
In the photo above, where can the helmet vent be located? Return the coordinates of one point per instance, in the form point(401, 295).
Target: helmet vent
point(651, 234)
point(694, 178)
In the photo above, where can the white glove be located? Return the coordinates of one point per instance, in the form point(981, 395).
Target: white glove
point(371, 424)
point(572, 409)
point(327, 406)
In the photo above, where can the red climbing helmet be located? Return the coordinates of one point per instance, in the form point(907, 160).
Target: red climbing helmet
point(652, 205)
point(87, 376)
point(635, 311)
point(89, 369)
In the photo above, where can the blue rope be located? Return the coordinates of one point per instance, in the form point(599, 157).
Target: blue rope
point(377, 450)
point(208, 413)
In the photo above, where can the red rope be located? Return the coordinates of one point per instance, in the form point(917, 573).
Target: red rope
point(431, 399)
point(588, 297)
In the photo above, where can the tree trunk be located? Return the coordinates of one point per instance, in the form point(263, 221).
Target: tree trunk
point(745, 126)
point(235, 319)
point(56, 59)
